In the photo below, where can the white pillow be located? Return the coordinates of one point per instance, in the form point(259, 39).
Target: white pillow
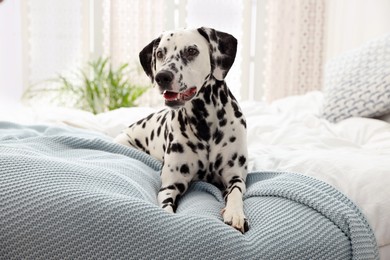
point(357, 84)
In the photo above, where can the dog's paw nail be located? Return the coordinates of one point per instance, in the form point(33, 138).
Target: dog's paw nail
point(246, 225)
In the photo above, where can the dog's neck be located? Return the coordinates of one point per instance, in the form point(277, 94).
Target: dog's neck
point(204, 109)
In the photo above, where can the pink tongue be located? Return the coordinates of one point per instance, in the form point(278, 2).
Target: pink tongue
point(170, 95)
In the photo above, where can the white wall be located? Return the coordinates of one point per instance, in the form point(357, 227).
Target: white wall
point(350, 23)
point(10, 51)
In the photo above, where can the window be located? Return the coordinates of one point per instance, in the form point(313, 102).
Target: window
point(61, 36)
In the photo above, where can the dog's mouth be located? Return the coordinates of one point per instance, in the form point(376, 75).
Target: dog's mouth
point(179, 96)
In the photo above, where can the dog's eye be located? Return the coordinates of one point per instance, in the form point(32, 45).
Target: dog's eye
point(159, 55)
point(192, 52)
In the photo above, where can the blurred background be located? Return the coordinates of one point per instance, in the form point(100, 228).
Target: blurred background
point(283, 44)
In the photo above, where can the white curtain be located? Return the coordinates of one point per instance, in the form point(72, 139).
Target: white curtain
point(128, 26)
point(294, 47)
point(10, 53)
point(283, 44)
point(302, 35)
point(62, 36)
point(53, 38)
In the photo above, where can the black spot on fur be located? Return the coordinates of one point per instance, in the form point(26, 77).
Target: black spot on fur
point(218, 162)
point(180, 187)
point(164, 118)
point(184, 134)
point(234, 180)
point(237, 111)
point(170, 187)
point(184, 59)
point(149, 117)
point(177, 148)
point(192, 146)
point(139, 122)
point(223, 97)
point(139, 144)
point(165, 132)
point(210, 177)
point(203, 130)
point(173, 114)
point(211, 166)
point(200, 164)
point(215, 89)
point(204, 34)
point(241, 160)
point(180, 78)
point(221, 113)
point(184, 169)
point(167, 201)
point(243, 122)
point(152, 135)
point(182, 121)
point(199, 109)
point(232, 139)
point(200, 146)
point(222, 122)
point(218, 135)
point(207, 94)
point(201, 174)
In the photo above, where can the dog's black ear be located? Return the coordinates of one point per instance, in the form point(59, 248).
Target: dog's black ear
point(223, 49)
point(147, 58)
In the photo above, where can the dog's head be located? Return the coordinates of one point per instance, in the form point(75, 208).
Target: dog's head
point(179, 62)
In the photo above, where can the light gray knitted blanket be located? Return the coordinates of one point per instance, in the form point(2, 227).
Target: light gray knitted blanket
point(71, 194)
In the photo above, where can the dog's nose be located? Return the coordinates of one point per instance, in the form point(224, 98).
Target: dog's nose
point(164, 79)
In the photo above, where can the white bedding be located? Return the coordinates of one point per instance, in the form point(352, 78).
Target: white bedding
point(353, 155)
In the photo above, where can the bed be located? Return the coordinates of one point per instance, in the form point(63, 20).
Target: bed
point(316, 190)
point(318, 186)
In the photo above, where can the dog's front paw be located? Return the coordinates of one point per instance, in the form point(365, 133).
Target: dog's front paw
point(236, 219)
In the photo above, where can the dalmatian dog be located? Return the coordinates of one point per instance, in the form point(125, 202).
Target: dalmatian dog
point(202, 134)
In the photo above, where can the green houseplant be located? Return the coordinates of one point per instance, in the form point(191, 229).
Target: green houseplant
point(98, 89)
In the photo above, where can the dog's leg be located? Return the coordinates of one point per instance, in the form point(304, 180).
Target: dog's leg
point(233, 213)
point(170, 192)
point(175, 178)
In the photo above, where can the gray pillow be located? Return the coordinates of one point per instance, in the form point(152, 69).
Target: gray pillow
point(357, 83)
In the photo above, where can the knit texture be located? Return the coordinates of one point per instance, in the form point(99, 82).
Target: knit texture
point(71, 194)
point(357, 83)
